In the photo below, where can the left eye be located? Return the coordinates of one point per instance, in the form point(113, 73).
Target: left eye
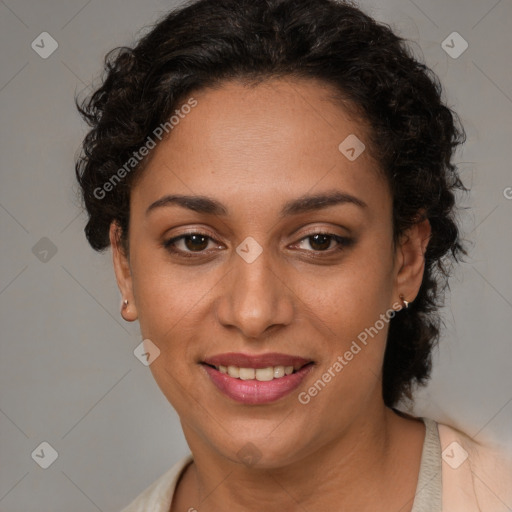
point(321, 242)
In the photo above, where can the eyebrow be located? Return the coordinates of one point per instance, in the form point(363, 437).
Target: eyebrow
point(303, 204)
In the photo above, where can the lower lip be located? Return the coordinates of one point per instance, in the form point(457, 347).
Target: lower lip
point(254, 391)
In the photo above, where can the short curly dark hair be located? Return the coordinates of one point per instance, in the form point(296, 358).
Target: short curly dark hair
point(413, 134)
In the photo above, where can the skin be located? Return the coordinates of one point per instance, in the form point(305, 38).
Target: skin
point(253, 149)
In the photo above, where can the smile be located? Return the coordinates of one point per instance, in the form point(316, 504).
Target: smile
point(261, 374)
point(254, 380)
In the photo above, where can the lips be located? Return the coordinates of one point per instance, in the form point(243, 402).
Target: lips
point(222, 371)
point(257, 361)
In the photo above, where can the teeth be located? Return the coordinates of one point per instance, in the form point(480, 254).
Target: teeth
point(261, 374)
point(234, 371)
point(278, 372)
point(247, 373)
point(265, 374)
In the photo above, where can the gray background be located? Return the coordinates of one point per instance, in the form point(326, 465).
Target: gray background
point(68, 375)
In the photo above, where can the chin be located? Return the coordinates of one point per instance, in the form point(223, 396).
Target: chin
point(260, 451)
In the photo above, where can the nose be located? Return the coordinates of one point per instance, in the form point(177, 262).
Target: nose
point(255, 298)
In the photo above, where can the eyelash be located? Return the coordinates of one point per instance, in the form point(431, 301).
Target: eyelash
point(343, 243)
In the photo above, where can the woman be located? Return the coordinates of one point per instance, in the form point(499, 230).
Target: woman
point(275, 179)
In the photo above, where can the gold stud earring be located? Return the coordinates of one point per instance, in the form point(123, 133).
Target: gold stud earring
point(125, 303)
point(404, 302)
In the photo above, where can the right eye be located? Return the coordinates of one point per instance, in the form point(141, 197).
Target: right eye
point(190, 243)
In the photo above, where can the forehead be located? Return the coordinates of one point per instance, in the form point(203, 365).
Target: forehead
point(279, 138)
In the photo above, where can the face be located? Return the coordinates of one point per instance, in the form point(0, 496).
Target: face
point(257, 276)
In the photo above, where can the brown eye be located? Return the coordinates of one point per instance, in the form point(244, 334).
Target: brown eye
point(196, 242)
point(187, 244)
point(320, 242)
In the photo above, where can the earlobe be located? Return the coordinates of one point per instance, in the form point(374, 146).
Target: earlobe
point(412, 249)
point(123, 273)
point(128, 312)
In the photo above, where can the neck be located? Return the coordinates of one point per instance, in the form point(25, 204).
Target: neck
point(372, 465)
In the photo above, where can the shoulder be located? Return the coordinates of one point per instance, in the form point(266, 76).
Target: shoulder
point(158, 496)
point(475, 476)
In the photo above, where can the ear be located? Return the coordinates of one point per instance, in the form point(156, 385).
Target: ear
point(410, 260)
point(123, 273)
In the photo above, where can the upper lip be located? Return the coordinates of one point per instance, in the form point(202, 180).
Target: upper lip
point(256, 361)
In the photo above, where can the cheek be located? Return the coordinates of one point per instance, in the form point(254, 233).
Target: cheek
point(166, 294)
point(352, 309)
point(353, 295)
